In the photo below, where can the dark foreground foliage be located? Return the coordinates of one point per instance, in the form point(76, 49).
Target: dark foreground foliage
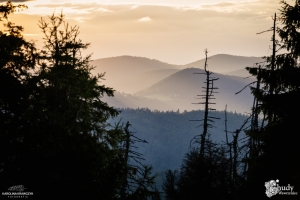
point(54, 137)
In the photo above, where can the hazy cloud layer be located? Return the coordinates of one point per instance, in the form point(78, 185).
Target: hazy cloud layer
point(155, 2)
point(174, 34)
point(16, 1)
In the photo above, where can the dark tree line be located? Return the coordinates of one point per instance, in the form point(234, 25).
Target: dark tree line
point(54, 136)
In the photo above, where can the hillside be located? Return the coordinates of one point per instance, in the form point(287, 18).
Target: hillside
point(182, 87)
point(223, 63)
point(130, 74)
point(239, 72)
point(169, 134)
point(143, 82)
point(123, 100)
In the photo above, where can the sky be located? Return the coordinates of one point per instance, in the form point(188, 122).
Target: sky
point(172, 31)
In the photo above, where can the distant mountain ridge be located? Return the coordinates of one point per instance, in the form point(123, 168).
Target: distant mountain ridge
point(162, 86)
point(130, 74)
point(239, 72)
point(184, 86)
point(224, 63)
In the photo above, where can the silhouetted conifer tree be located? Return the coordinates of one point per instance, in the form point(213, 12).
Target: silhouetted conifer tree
point(54, 135)
point(206, 179)
point(278, 100)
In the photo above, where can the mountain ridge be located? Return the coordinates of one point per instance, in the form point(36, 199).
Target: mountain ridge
point(184, 86)
point(142, 82)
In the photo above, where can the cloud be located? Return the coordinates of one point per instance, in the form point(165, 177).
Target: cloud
point(145, 19)
point(31, 34)
point(178, 34)
point(80, 19)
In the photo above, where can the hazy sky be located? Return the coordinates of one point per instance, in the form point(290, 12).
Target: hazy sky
point(173, 31)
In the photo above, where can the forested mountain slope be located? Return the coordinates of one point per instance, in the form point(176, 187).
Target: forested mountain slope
point(169, 133)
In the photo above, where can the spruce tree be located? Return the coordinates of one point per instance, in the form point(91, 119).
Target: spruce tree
point(278, 100)
point(68, 118)
point(55, 139)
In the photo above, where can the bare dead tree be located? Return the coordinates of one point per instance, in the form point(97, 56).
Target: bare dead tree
point(272, 60)
point(268, 116)
point(209, 95)
point(138, 181)
point(229, 144)
point(235, 153)
point(253, 142)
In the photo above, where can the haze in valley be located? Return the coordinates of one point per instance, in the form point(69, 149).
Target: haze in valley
point(142, 82)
